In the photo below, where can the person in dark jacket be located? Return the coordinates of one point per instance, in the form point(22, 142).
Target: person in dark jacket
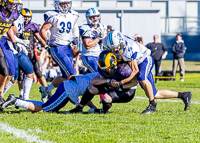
point(178, 50)
point(156, 52)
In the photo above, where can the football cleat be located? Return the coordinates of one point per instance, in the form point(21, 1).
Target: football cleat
point(46, 94)
point(149, 109)
point(20, 97)
point(187, 100)
point(10, 101)
point(92, 110)
point(1, 101)
point(73, 111)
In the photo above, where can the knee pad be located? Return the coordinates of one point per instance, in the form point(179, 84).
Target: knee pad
point(106, 106)
point(3, 66)
point(21, 75)
point(38, 73)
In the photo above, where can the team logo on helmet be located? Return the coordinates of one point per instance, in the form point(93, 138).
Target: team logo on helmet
point(107, 62)
point(93, 12)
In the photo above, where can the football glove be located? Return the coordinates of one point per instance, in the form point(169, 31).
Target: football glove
point(16, 47)
point(101, 33)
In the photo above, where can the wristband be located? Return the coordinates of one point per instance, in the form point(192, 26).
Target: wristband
point(108, 81)
point(121, 85)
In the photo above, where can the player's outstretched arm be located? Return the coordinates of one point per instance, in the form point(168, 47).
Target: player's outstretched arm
point(98, 80)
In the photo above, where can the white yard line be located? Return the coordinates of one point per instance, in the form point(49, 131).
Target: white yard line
point(20, 133)
point(165, 100)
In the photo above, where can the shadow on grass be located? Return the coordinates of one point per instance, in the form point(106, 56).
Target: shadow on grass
point(13, 112)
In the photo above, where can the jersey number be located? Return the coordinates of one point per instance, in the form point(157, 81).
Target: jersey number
point(69, 26)
point(20, 27)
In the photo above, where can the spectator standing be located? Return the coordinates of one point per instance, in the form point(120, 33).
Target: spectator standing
point(156, 52)
point(178, 50)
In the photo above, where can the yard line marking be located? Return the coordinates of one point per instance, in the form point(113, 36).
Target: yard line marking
point(166, 100)
point(20, 133)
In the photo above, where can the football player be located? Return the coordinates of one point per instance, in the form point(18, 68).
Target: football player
point(22, 60)
point(62, 23)
point(92, 35)
point(67, 91)
point(105, 83)
point(9, 12)
point(141, 63)
point(31, 30)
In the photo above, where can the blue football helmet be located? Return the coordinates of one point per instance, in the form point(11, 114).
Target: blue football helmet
point(93, 12)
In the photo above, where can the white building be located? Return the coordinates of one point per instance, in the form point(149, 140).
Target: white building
point(144, 17)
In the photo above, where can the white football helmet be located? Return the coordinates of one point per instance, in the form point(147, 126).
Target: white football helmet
point(59, 8)
point(92, 12)
point(115, 39)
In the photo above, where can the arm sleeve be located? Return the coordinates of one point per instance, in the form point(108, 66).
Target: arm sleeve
point(173, 49)
point(183, 48)
point(164, 47)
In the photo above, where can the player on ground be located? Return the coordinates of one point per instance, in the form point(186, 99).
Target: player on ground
point(67, 91)
point(9, 12)
point(141, 63)
point(102, 84)
point(92, 35)
point(62, 23)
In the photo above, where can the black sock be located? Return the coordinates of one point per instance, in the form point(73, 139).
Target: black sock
point(87, 96)
point(106, 106)
point(152, 102)
point(180, 95)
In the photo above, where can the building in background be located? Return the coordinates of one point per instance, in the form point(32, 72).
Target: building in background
point(146, 17)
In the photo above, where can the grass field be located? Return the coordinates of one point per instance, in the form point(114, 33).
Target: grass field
point(122, 124)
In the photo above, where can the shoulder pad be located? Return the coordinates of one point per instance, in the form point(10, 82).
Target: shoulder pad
point(83, 28)
point(50, 14)
point(16, 14)
point(35, 27)
point(73, 12)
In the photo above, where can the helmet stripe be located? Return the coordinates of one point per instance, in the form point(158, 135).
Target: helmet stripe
point(93, 10)
point(110, 38)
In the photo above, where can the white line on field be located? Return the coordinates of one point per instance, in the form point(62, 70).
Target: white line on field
point(20, 133)
point(166, 100)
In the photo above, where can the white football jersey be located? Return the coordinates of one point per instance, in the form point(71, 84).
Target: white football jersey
point(19, 23)
point(62, 25)
point(87, 31)
point(135, 50)
point(76, 88)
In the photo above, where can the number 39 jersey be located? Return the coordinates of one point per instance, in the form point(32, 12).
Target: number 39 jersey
point(62, 25)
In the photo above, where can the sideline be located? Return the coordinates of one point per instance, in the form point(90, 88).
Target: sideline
point(20, 133)
point(165, 100)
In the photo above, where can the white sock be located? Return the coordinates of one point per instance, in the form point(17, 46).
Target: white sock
point(27, 84)
point(50, 87)
point(21, 92)
point(22, 103)
point(8, 86)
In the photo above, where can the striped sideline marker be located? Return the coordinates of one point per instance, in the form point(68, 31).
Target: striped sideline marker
point(20, 133)
point(165, 100)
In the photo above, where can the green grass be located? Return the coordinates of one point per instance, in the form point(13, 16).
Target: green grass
point(122, 124)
